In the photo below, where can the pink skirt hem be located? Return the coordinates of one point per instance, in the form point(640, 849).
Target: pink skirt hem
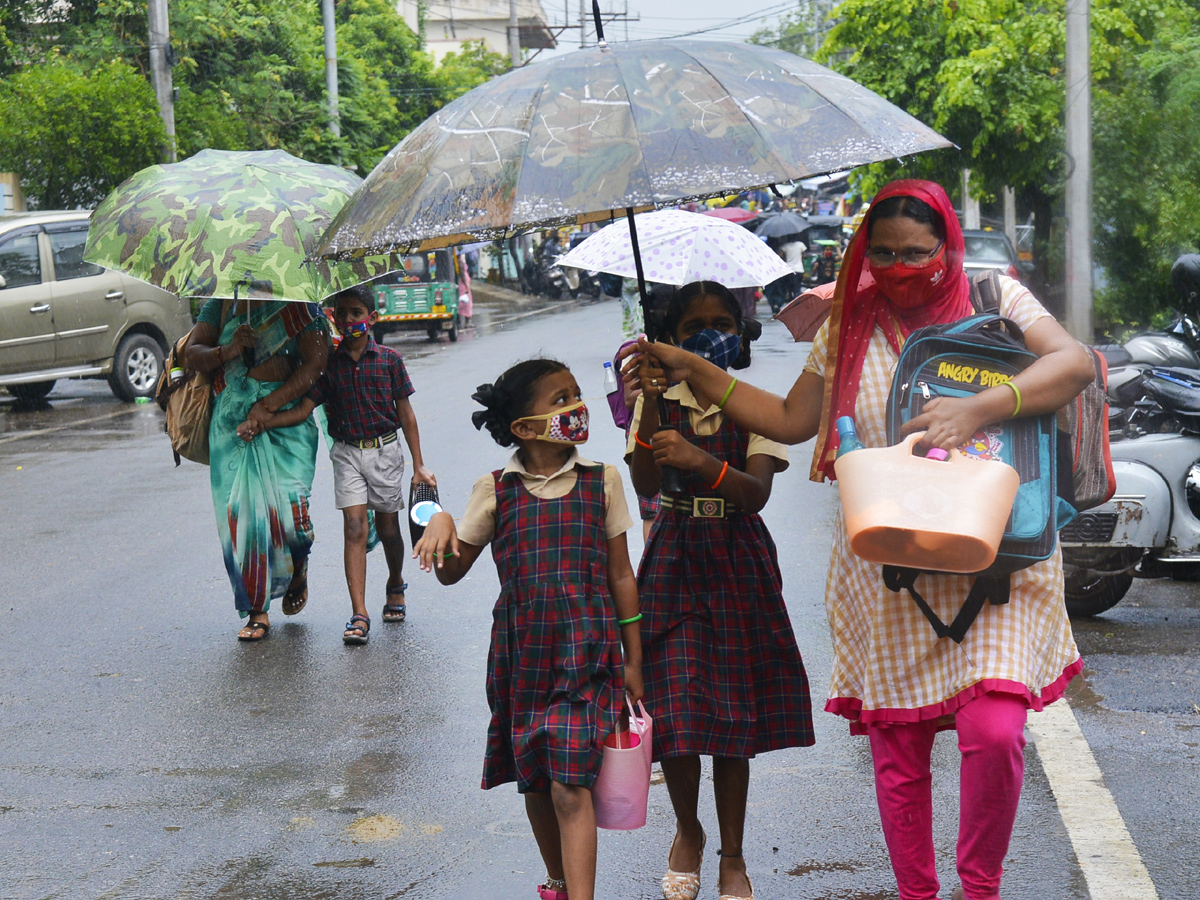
point(861, 719)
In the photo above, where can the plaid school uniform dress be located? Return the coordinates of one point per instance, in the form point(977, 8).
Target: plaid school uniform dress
point(555, 667)
point(722, 671)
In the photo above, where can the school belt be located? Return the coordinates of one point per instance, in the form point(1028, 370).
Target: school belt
point(373, 443)
point(700, 507)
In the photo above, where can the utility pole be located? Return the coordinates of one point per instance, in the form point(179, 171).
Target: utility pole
point(422, 10)
point(584, 14)
point(1079, 179)
point(160, 69)
point(514, 35)
point(331, 72)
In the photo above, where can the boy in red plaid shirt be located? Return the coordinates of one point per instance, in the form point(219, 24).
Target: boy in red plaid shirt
point(365, 389)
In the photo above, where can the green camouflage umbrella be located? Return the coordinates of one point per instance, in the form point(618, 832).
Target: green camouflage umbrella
point(597, 132)
point(225, 222)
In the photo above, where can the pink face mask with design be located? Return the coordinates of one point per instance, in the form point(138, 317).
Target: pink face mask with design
point(568, 425)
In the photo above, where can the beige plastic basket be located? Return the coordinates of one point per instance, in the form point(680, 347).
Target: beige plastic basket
point(941, 515)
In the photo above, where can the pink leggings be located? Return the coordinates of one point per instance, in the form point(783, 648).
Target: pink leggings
point(991, 738)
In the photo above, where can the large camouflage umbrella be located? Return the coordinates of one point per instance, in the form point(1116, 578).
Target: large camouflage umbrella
point(223, 222)
point(592, 134)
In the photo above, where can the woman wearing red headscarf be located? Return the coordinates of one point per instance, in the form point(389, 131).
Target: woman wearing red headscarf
point(893, 678)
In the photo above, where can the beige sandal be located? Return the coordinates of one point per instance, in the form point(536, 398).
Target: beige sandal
point(682, 885)
point(724, 896)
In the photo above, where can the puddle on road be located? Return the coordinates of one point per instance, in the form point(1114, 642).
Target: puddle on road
point(809, 868)
point(371, 829)
point(361, 863)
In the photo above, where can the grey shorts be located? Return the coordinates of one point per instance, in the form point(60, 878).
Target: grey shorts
point(373, 478)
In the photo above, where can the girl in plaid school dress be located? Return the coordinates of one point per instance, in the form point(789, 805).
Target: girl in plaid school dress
point(568, 607)
point(721, 662)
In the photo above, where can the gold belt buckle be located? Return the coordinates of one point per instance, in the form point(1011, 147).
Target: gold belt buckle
point(708, 508)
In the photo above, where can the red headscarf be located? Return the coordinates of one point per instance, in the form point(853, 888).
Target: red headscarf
point(859, 307)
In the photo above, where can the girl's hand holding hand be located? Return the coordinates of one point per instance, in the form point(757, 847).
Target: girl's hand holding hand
point(439, 541)
point(948, 422)
point(652, 378)
point(672, 449)
point(261, 413)
point(634, 688)
point(675, 362)
point(248, 430)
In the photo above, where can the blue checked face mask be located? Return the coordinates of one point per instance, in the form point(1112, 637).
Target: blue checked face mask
point(719, 347)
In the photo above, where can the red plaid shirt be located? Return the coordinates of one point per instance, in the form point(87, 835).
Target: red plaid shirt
point(360, 397)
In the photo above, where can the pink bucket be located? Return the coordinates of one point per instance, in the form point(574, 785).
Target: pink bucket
point(622, 788)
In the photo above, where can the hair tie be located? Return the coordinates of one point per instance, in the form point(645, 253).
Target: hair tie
point(479, 418)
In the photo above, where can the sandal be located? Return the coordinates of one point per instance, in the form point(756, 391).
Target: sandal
point(395, 612)
point(552, 889)
point(682, 885)
point(721, 894)
point(293, 599)
point(357, 630)
point(254, 631)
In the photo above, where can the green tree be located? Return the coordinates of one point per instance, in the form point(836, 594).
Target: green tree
point(988, 74)
point(1147, 173)
point(72, 136)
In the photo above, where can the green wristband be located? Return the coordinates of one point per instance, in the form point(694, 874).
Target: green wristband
point(728, 391)
point(630, 620)
point(1016, 412)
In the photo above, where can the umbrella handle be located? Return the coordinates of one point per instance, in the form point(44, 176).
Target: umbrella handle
point(670, 478)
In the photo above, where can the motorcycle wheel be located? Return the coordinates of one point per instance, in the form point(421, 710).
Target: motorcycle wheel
point(553, 291)
point(1089, 593)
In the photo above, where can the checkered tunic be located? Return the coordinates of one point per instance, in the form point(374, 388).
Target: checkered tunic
point(555, 668)
point(722, 671)
point(889, 665)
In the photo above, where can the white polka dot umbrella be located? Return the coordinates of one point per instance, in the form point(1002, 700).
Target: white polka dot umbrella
point(678, 248)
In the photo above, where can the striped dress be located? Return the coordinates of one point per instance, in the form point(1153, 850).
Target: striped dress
point(889, 665)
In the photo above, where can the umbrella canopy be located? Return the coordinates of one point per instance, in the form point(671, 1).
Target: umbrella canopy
point(680, 247)
point(582, 136)
point(731, 214)
point(222, 222)
point(781, 225)
point(805, 315)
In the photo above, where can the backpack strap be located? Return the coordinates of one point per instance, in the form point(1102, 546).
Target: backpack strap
point(986, 588)
point(986, 292)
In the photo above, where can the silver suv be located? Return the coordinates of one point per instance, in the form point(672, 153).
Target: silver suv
point(61, 317)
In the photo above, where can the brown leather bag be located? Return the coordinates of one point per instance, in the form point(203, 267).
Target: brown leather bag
point(187, 402)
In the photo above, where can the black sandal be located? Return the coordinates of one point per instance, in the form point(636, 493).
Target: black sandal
point(395, 612)
point(357, 630)
point(258, 631)
point(293, 599)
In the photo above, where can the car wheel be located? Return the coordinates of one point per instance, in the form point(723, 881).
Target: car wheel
point(1089, 593)
point(136, 367)
point(31, 394)
point(433, 331)
point(453, 332)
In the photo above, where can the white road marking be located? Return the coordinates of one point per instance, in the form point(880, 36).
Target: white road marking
point(1106, 853)
point(21, 435)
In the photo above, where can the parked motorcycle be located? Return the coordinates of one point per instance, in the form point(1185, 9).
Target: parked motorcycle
point(1151, 526)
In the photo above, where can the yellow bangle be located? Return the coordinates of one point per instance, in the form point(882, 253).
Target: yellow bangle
point(728, 391)
point(1016, 390)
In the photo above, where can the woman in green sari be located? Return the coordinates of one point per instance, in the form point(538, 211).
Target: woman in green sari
point(261, 487)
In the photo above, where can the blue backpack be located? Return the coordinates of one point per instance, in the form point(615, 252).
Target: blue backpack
point(956, 360)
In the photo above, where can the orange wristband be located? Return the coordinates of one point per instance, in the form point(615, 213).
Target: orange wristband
point(637, 440)
point(721, 477)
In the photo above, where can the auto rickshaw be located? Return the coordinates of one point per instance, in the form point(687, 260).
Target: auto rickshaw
point(423, 293)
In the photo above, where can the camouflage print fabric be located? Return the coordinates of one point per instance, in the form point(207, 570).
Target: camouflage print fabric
point(644, 125)
point(222, 221)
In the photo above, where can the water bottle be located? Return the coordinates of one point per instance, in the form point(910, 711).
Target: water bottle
point(176, 375)
point(847, 436)
point(611, 384)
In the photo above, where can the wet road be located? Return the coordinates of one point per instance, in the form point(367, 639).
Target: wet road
point(145, 753)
